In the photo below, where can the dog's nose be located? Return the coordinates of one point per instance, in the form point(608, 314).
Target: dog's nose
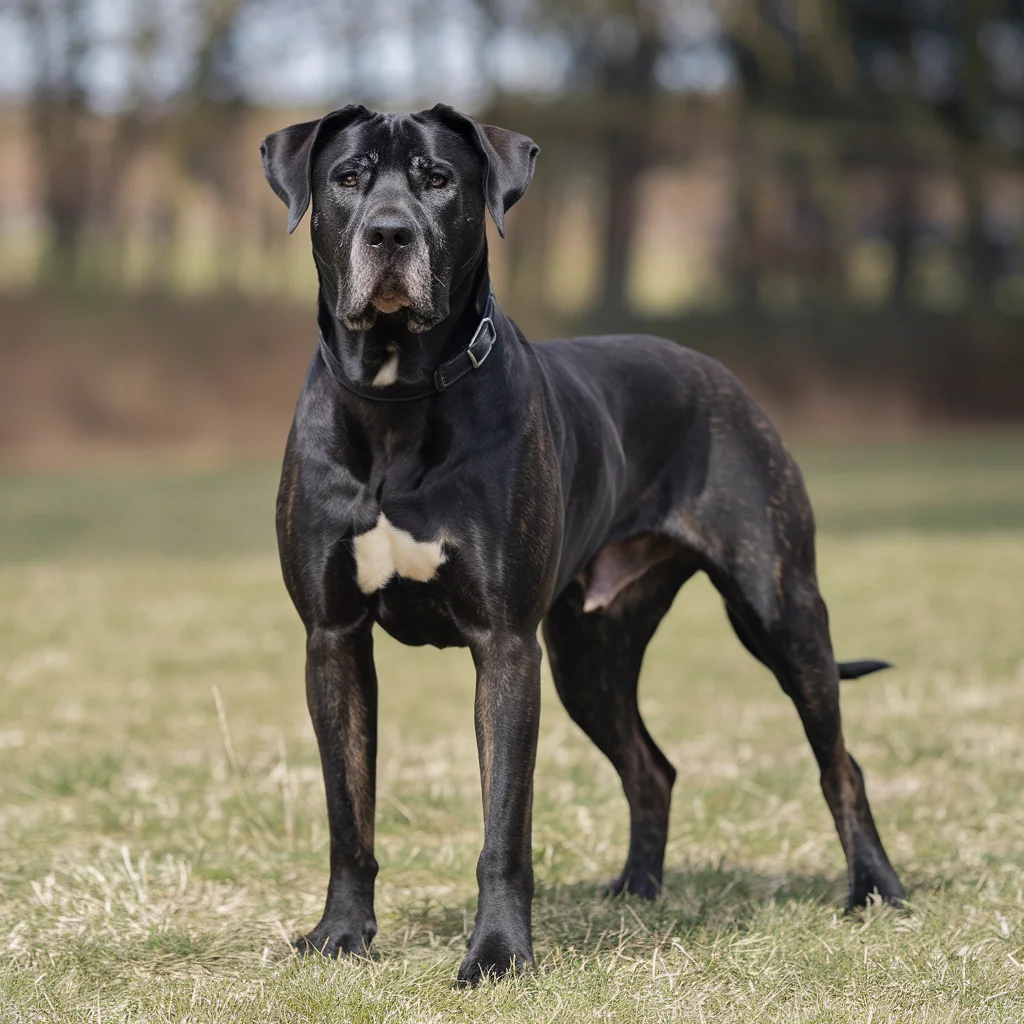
point(389, 233)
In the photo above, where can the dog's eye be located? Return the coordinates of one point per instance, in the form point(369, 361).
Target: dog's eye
point(349, 179)
point(437, 180)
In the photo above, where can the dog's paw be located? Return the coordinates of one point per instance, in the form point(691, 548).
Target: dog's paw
point(336, 940)
point(494, 956)
point(882, 887)
point(636, 884)
point(872, 876)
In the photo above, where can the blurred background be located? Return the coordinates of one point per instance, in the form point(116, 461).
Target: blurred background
point(828, 195)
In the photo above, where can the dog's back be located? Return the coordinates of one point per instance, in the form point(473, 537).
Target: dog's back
point(665, 435)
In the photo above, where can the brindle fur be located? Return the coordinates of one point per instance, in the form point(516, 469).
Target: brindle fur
point(574, 485)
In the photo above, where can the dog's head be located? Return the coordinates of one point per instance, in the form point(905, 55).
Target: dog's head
point(398, 203)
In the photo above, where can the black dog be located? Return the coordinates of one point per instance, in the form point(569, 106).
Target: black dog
point(459, 486)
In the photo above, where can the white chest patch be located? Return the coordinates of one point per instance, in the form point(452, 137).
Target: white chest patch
point(386, 551)
point(388, 372)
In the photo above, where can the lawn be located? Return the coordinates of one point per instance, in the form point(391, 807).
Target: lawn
point(162, 829)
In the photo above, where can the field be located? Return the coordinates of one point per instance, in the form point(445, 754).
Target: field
point(162, 829)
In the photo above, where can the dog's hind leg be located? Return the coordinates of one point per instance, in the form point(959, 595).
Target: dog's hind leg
point(595, 659)
point(847, 669)
point(749, 516)
point(782, 620)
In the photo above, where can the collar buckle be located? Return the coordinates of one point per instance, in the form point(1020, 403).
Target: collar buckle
point(486, 333)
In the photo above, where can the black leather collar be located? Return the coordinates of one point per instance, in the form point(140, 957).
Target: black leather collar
point(470, 358)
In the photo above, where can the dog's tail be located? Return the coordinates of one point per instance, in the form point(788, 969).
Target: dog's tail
point(856, 669)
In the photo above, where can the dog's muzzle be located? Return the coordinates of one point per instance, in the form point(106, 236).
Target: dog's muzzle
point(389, 270)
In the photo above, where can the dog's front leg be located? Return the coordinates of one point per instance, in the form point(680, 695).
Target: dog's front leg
point(341, 690)
point(507, 716)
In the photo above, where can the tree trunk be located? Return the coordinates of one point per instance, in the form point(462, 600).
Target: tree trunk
point(64, 163)
point(980, 267)
point(903, 224)
point(528, 253)
point(625, 152)
point(744, 246)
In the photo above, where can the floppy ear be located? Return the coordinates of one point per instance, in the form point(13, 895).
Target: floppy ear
point(288, 158)
point(508, 159)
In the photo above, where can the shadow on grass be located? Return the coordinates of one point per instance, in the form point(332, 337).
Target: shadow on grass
point(702, 898)
point(576, 916)
point(702, 903)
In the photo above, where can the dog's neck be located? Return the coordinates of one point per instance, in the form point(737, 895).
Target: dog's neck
point(388, 353)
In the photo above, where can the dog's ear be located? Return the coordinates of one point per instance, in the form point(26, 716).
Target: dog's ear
point(508, 160)
point(288, 157)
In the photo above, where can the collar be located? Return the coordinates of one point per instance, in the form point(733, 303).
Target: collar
point(472, 357)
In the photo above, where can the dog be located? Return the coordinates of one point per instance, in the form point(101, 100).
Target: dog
point(458, 486)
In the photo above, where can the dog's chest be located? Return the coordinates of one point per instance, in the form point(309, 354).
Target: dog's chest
point(405, 580)
point(386, 551)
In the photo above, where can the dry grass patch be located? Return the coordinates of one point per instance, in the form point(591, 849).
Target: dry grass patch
point(155, 855)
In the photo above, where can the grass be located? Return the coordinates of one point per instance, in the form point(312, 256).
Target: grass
point(155, 855)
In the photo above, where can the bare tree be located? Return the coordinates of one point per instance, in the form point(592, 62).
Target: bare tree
point(57, 34)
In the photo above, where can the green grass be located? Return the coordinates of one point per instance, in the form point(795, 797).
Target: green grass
point(154, 859)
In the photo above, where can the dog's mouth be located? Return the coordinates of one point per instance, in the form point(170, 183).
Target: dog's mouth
point(390, 297)
point(373, 286)
point(416, 319)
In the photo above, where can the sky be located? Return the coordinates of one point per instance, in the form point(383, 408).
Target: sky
point(310, 52)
